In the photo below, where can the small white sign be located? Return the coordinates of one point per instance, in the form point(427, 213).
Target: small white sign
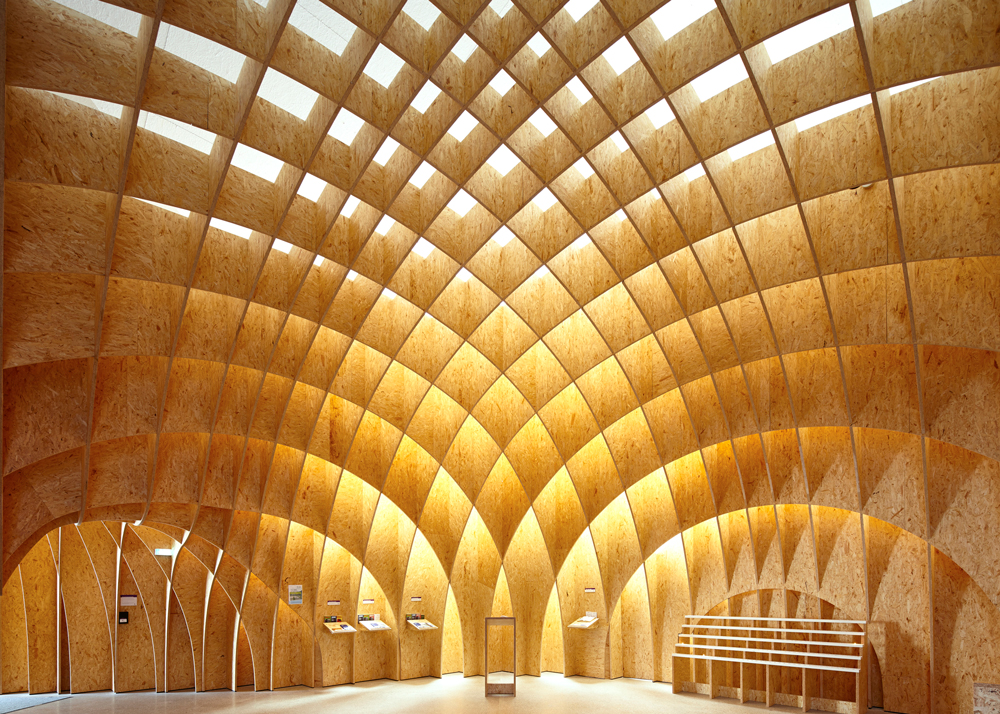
point(333, 602)
point(368, 601)
point(591, 614)
point(130, 600)
point(163, 551)
point(415, 598)
point(294, 594)
point(590, 590)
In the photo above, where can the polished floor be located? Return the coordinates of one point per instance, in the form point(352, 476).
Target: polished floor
point(453, 694)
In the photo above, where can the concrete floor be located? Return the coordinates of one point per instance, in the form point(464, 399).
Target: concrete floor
point(453, 694)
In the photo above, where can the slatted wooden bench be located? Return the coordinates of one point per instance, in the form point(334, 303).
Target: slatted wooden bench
point(776, 643)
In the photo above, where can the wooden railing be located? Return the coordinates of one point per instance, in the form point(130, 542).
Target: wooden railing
point(776, 645)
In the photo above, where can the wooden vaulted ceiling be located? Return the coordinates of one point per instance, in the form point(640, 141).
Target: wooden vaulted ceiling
point(813, 322)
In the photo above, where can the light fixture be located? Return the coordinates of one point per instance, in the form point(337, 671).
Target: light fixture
point(385, 225)
point(660, 114)
point(422, 175)
point(425, 97)
point(679, 14)
point(503, 236)
point(464, 48)
point(282, 246)
point(284, 92)
point(720, 78)
point(808, 33)
point(461, 203)
point(579, 91)
point(423, 12)
point(423, 247)
point(464, 275)
point(118, 18)
point(165, 207)
point(503, 160)
point(463, 126)
point(385, 151)
point(541, 121)
point(257, 162)
point(346, 127)
point(201, 52)
point(311, 187)
point(584, 168)
point(544, 200)
point(620, 56)
point(187, 134)
point(539, 45)
point(577, 9)
point(501, 83)
point(322, 24)
point(230, 228)
point(696, 171)
point(384, 66)
point(350, 206)
point(750, 146)
point(832, 112)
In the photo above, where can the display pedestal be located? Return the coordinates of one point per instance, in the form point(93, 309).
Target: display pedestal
point(499, 688)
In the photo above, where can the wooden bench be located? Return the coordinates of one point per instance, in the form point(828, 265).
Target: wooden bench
point(776, 644)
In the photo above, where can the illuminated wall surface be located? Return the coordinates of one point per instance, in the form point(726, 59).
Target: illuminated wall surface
point(693, 304)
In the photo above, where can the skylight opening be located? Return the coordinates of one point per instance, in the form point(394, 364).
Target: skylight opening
point(909, 85)
point(581, 242)
point(503, 236)
point(311, 187)
point(679, 14)
point(425, 97)
point(118, 18)
point(541, 121)
point(388, 294)
point(423, 13)
point(210, 56)
point(463, 126)
point(422, 175)
point(828, 113)
point(660, 114)
point(502, 83)
point(539, 45)
point(464, 48)
point(423, 247)
point(544, 200)
point(696, 171)
point(717, 80)
point(620, 56)
point(461, 203)
point(230, 228)
point(385, 151)
point(109, 108)
point(464, 275)
point(808, 33)
point(191, 136)
point(619, 141)
point(257, 162)
point(318, 261)
point(619, 215)
point(165, 207)
point(584, 168)
point(541, 272)
point(346, 127)
point(284, 92)
point(385, 225)
point(501, 7)
point(384, 66)
point(581, 93)
point(750, 146)
point(350, 206)
point(322, 24)
point(282, 246)
point(503, 160)
point(577, 9)
point(351, 275)
point(882, 6)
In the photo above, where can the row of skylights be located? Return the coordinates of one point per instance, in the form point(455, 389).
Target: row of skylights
point(192, 136)
point(463, 126)
point(346, 127)
point(284, 92)
point(909, 85)
point(116, 17)
point(828, 113)
point(720, 78)
point(210, 56)
point(696, 171)
point(109, 108)
point(679, 14)
point(165, 207)
point(322, 24)
point(808, 33)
